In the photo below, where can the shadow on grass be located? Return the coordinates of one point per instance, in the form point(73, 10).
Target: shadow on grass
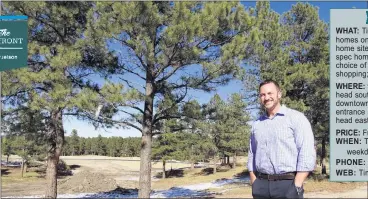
point(209, 170)
point(205, 172)
point(241, 178)
point(62, 171)
point(74, 166)
point(243, 174)
point(4, 172)
point(174, 173)
point(119, 192)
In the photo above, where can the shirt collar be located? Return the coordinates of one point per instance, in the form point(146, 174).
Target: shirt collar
point(281, 112)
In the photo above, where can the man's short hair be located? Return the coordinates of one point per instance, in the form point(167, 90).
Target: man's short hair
point(267, 82)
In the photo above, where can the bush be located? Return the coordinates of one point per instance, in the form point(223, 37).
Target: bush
point(40, 158)
point(63, 168)
point(34, 164)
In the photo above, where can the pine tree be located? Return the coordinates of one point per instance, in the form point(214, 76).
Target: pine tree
point(213, 126)
point(100, 145)
point(193, 139)
point(6, 147)
point(82, 146)
point(62, 55)
point(24, 149)
point(235, 136)
point(267, 53)
point(74, 142)
point(162, 40)
point(88, 144)
point(311, 81)
point(165, 148)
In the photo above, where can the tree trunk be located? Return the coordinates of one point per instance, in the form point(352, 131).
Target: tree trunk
point(22, 169)
point(214, 165)
point(323, 156)
point(146, 144)
point(234, 161)
point(25, 166)
point(192, 165)
point(56, 141)
point(163, 169)
point(145, 167)
point(51, 177)
point(7, 159)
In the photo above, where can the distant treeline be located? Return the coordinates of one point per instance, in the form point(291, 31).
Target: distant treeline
point(185, 146)
point(104, 146)
point(75, 145)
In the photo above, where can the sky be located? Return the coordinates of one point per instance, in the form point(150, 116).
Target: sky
point(87, 130)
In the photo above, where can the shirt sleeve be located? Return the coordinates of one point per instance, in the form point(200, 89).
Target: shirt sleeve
point(251, 155)
point(304, 140)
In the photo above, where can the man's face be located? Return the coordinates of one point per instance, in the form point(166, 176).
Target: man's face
point(270, 96)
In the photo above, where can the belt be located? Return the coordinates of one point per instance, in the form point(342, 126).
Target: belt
point(284, 176)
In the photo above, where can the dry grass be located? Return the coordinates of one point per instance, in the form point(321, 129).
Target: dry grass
point(196, 176)
point(132, 165)
point(334, 187)
point(13, 175)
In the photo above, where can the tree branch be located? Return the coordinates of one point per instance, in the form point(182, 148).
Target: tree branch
point(129, 83)
point(76, 80)
point(102, 119)
point(160, 70)
point(132, 115)
point(132, 48)
point(135, 73)
point(21, 9)
point(7, 97)
point(177, 101)
point(134, 107)
point(175, 68)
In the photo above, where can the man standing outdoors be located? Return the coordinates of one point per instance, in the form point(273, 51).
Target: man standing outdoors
point(281, 152)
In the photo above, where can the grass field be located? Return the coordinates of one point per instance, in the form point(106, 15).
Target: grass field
point(197, 176)
point(10, 176)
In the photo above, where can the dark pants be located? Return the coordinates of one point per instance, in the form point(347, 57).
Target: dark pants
point(262, 188)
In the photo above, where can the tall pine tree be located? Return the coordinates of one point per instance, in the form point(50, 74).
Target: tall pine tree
point(169, 47)
point(62, 56)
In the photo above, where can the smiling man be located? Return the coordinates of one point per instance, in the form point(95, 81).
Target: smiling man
point(281, 152)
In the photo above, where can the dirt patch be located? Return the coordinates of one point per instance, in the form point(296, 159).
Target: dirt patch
point(87, 182)
point(359, 192)
point(24, 189)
